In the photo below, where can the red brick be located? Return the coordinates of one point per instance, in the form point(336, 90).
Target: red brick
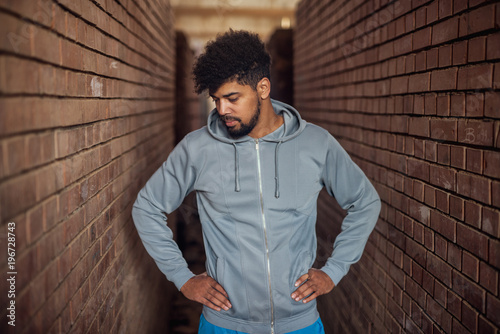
point(443, 105)
point(399, 85)
point(474, 105)
point(439, 268)
point(480, 19)
point(432, 12)
point(459, 5)
point(444, 79)
point(460, 52)
point(474, 160)
point(418, 126)
point(442, 177)
point(445, 31)
point(477, 49)
point(469, 317)
point(444, 55)
point(432, 58)
point(430, 104)
point(454, 255)
point(457, 104)
point(467, 289)
point(403, 45)
point(472, 240)
point(430, 196)
point(470, 266)
point(492, 164)
point(475, 132)
point(488, 278)
point(493, 46)
point(419, 82)
point(420, 17)
point(421, 61)
point(421, 38)
point(445, 8)
point(491, 222)
point(491, 103)
point(444, 225)
point(495, 193)
point(418, 105)
point(475, 77)
point(443, 129)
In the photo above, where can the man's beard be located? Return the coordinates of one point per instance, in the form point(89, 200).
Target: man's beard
point(245, 128)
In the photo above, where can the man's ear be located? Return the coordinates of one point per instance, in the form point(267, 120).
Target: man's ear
point(264, 88)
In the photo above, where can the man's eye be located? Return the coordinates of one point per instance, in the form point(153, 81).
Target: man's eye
point(233, 100)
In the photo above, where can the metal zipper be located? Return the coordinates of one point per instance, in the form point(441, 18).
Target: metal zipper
point(265, 235)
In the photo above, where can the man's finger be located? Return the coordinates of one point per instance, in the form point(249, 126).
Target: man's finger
point(218, 299)
point(311, 297)
point(302, 279)
point(219, 288)
point(303, 291)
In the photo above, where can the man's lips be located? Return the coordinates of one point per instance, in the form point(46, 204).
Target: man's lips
point(230, 121)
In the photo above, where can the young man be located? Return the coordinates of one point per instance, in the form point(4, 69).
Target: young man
point(257, 169)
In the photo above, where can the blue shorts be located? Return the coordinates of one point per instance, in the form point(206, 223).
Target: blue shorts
point(208, 328)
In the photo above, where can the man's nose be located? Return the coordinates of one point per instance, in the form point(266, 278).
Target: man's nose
point(223, 107)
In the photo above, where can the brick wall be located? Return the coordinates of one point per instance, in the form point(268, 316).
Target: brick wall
point(86, 116)
point(411, 90)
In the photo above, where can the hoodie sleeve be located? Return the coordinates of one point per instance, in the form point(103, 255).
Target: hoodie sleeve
point(162, 194)
point(344, 180)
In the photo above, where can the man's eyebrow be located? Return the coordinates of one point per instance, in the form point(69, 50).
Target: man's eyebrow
point(225, 95)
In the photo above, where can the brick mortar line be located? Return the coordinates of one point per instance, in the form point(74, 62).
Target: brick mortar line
point(86, 149)
point(386, 24)
point(439, 141)
point(378, 63)
point(140, 23)
point(153, 38)
point(332, 75)
point(58, 34)
point(107, 34)
point(158, 19)
point(309, 60)
point(89, 248)
point(73, 70)
point(78, 181)
point(413, 219)
point(36, 131)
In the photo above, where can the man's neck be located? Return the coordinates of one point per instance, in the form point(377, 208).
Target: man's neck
point(268, 122)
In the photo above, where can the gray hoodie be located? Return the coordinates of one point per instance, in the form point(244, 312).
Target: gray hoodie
point(257, 205)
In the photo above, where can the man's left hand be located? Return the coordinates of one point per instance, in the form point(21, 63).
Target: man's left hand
point(311, 285)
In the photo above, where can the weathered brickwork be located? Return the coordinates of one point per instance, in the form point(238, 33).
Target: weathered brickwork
point(411, 90)
point(86, 116)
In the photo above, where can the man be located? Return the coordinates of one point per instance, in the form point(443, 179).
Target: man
point(257, 169)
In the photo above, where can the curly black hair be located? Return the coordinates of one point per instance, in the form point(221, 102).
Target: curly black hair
point(234, 55)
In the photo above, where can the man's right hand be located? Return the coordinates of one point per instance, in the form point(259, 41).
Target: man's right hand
point(205, 290)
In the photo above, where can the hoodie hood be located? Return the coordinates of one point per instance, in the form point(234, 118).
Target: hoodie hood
point(293, 125)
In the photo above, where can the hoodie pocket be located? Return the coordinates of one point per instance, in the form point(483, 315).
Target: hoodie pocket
point(221, 263)
point(301, 267)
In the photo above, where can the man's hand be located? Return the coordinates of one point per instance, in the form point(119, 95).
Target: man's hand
point(315, 283)
point(205, 290)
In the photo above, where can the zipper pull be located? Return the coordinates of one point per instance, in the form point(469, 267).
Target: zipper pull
point(256, 144)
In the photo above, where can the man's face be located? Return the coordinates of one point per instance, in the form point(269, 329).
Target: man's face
point(238, 107)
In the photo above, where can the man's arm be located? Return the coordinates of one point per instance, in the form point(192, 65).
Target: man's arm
point(344, 180)
point(162, 194)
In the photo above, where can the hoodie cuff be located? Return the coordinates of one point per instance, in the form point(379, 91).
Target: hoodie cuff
point(335, 275)
point(181, 278)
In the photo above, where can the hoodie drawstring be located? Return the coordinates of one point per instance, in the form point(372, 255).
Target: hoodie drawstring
point(236, 169)
point(276, 171)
